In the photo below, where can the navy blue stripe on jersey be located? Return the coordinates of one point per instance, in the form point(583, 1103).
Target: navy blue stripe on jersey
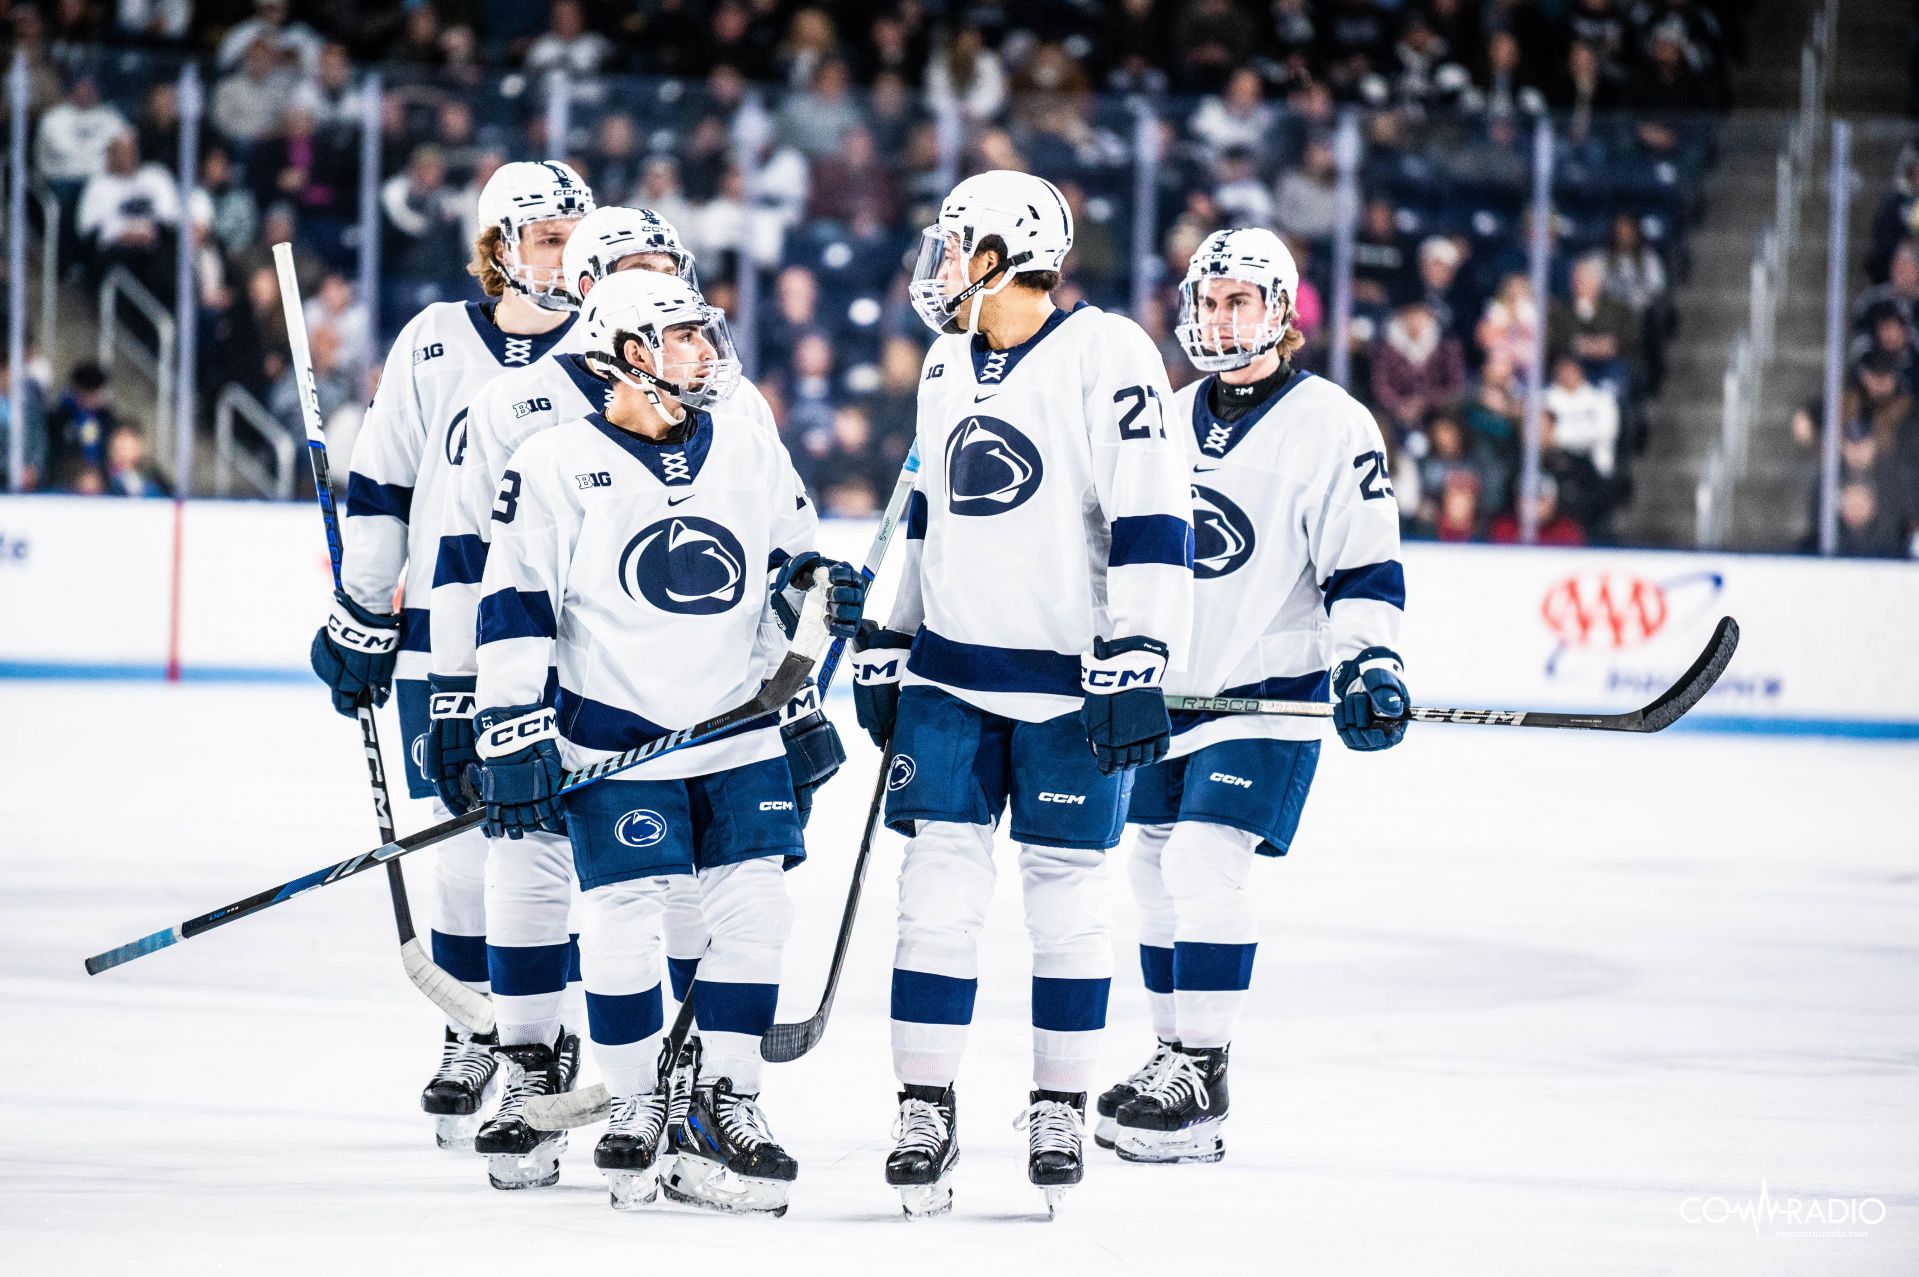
point(1385, 582)
point(1151, 538)
point(1156, 968)
point(592, 724)
point(1317, 686)
point(916, 516)
point(727, 1007)
point(366, 498)
point(594, 388)
point(416, 630)
point(527, 971)
point(1216, 437)
point(618, 1019)
point(462, 561)
point(992, 367)
point(1212, 968)
point(1069, 1006)
point(983, 668)
point(524, 348)
point(673, 464)
point(922, 998)
point(512, 614)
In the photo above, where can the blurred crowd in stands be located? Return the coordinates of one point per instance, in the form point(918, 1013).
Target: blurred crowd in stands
point(799, 147)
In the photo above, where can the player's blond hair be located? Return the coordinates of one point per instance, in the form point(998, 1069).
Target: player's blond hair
point(485, 265)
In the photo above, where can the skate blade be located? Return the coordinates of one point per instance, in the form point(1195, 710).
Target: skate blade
point(923, 1201)
point(630, 1190)
point(538, 1169)
point(696, 1181)
point(456, 1130)
point(1201, 1144)
point(1106, 1132)
point(1053, 1197)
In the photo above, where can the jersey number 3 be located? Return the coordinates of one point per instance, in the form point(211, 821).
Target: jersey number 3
point(1372, 480)
point(507, 504)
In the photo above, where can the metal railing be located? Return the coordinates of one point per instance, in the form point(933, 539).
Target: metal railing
point(156, 366)
point(237, 403)
point(49, 261)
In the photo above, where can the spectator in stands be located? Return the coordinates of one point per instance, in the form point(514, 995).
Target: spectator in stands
point(1455, 514)
point(284, 40)
point(811, 399)
point(1440, 285)
point(811, 41)
point(1900, 290)
point(419, 42)
point(422, 223)
point(334, 307)
point(71, 142)
point(128, 473)
point(1869, 527)
point(1417, 369)
point(1667, 93)
point(153, 22)
point(567, 46)
point(232, 211)
point(966, 78)
point(1308, 204)
point(1635, 274)
point(247, 103)
point(1243, 199)
point(1878, 402)
point(333, 95)
point(796, 313)
point(1498, 404)
point(78, 427)
point(1603, 29)
point(1897, 218)
point(1587, 93)
point(128, 212)
point(1237, 119)
point(1554, 526)
point(34, 433)
point(1211, 37)
point(333, 379)
point(1445, 450)
point(850, 475)
point(313, 172)
point(1381, 260)
point(1595, 327)
point(816, 122)
point(1886, 329)
point(1510, 324)
point(1583, 494)
point(615, 158)
point(660, 191)
point(894, 410)
point(854, 183)
point(158, 128)
point(1586, 417)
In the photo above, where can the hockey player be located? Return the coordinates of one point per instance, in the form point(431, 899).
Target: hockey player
point(627, 550)
point(1048, 587)
point(1297, 573)
point(414, 434)
point(529, 883)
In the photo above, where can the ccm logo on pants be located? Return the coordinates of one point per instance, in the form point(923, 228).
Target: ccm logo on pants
point(1072, 800)
point(1224, 779)
point(776, 805)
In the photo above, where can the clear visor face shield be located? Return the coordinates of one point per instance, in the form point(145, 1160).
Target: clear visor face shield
point(531, 257)
point(1226, 322)
point(661, 261)
point(942, 294)
point(697, 360)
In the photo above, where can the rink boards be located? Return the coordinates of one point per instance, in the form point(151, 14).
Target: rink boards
point(232, 590)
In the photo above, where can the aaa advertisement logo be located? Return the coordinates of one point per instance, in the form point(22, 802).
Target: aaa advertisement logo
point(1609, 612)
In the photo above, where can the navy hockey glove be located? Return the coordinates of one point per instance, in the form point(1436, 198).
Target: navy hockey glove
point(353, 653)
point(845, 595)
point(813, 750)
point(449, 739)
point(519, 771)
point(1371, 713)
point(1124, 713)
point(879, 658)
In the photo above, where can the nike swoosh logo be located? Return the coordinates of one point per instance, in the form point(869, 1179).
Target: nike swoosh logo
point(677, 500)
point(983, 398)
point(1206, 469)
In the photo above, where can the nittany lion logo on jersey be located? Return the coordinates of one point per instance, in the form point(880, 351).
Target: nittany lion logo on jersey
point(640, 828)
point(990, 467)
point(901, 774)
point(687, 565)
point(456, 439)
point(1222, 535)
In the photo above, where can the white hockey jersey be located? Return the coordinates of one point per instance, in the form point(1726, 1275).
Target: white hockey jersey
point(1296, 556)
point(414, 434)
point(1051, 509)
point(507, 411)
point(639, 569)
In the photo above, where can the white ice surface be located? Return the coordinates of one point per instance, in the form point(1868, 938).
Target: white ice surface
point(1520, 997)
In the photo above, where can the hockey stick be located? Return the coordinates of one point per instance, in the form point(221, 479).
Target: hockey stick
point(876, 552)
point(475, 1010)
point(1664, 710)
point(571, 1109)
point(802, 654)
point(784, 1043)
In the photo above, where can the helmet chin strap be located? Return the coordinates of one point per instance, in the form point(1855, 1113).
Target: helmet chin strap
point(647, 384)
point(982, 288)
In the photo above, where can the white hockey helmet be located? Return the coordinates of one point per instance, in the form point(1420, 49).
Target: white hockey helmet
point(520, 194)
point(1026, 213)
point(1221, 341)
point(612, 233)
point(646, 306)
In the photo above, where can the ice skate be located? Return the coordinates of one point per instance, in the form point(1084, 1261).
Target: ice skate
point(728, 1159)
point(629, 1151)
point(518, 1156)
point(1055, 1125)
point(1106, 1130)
point(925, 1150)
point(457, 1091)
point(1177, 1116)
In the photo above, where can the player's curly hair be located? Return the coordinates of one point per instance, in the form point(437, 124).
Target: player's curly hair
point(485, 265)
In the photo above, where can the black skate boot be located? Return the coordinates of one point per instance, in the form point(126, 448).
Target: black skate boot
point(925, 1150)
point(1055, 1124)
point(1120, 1092)
point(1178, 1115)
point(728, 1159)
point(679, 1082)
point(457, 1091)
point(517, 1156)
point(629, 1151)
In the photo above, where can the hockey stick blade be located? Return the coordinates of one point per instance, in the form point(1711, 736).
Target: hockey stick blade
point(474, 1010)
point(572, 1109)
point(809, 640)
point(1662, 712)
point(784, 1043)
